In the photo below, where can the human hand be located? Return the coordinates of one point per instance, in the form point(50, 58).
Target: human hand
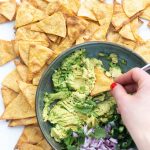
point(132, 93)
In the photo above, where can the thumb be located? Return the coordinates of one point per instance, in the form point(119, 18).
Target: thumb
point(119, 94)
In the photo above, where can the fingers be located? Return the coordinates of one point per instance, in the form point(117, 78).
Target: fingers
point(131, 88)
point(135, 75)
point(120, 95)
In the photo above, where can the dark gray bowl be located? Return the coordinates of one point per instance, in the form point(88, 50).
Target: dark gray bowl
point(92, 49)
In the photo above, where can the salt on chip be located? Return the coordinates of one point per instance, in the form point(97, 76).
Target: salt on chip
point(146, 13)
point(8, 95)
point(119, 17)
point(6, 52)
point(54, 24)
point(144, 50)
point(37, 76)
point(18, 109)
point(8, 9)
point(31, 36)
point(11, 81)
point(27, 146)
point(28, 14)
point(29, 91)
point(22, 70)
point(31, 134)
point(102, 82)
point(131, 7)
point(38, 56)
point(22, 122)
point(90, 30)
point(44, 145)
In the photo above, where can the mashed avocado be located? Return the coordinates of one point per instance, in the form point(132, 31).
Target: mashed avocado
point(73, 83)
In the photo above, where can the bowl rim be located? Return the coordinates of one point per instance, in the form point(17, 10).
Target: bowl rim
point(58, 57)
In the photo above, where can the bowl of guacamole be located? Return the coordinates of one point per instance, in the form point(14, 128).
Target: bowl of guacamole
point(74, 107)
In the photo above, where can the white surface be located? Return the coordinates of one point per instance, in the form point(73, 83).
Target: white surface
point(9, 136)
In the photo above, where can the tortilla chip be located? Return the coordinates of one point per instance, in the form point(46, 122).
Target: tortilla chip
point(28, 14)
point(144, 50)
point(22, 122)
point(31, 36)
point(52, 58)
point(27, 146)
point(44, 145)
point(18, 109)
point(39, 4)
point(146, 14)
point(76, 26)
point(127, 43)
point(38, 56)
point(6, 52)
point(24, 46)
point(3, 19)
point(119, 17)
point(54, 24)
point(135, 25)
point(103, 13)
point(102, 82)
point(31, 134)
point(52, 37)
point(8, 9)
point(90, 30)
point(126, 32)
point(29, 91)
point(85, 12)
point(33, 27)
point(11, 81)
point(131, 7)
point(8, 95)
point(22, 70)
point(37, 76)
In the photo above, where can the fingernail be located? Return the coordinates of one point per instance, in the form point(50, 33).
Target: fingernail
point(113, 85)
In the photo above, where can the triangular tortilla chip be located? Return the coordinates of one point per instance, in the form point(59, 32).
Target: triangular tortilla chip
point(54, 24)
point(119, 17)
point(8, 9)
point(23, 48)
point(103, 13)
point(33, 27)
point(126, 32)
point(11, 81)
point(102, 82)
point(28, 14)
point(90, 30)
point(38, 56)
point(29, 91)
point(6, 52)
point(131, 7)
point(23, 122)
point(144, 50)
point(44, 145)
point(8, 95)
point(22, 70)
point(18, 109)
point(146, 13)
point(31, 36)
point(27, 146)
point(86, 12)
point(37, 76)
point(76, 26)
point(31, 134)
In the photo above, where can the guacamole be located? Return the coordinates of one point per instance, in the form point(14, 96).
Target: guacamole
point(73, 83)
